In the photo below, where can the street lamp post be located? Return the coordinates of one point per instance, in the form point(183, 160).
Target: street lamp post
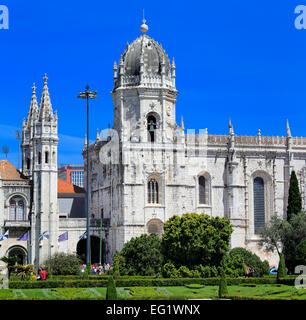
point(87, 94)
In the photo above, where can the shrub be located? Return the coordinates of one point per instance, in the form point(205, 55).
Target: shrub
point(111, 292)
point(207, 271)
point(251, 259)
point(300, 258)
point(169, 271)
point(194, 286)
point(64, 264)
point(116, 273)
point(141, 256)
point(233, 266)
point(144, 282)
point(281, 271)
point(24, 272)
point(222, 285)
point(184, 272)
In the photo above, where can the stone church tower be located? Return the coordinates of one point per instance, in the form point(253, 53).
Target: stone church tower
point(39, 163)
point(147, 168)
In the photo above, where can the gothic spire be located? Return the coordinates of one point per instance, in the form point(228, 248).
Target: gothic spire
point(33, 106)
point(98, 135)
point(288, 129)
point(230, 126)
point(182, 124)
point(45, 107)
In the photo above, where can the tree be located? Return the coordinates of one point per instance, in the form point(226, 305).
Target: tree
point(111, 292)
point(281, 271)
point(284, 236)
point(64, 264)
point(140, 256)
point(293, 233)
point(271, 235)
point(251, 259)
point(223, 283)
point(195, 239)
point(294, 198)
point(300, 257)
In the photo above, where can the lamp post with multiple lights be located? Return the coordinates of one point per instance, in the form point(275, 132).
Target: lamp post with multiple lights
point(87, 94)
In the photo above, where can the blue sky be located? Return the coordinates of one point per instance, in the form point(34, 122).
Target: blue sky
point(238, 59)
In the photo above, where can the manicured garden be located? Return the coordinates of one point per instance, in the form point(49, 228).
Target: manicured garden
point(276, 291)
point(192, 260)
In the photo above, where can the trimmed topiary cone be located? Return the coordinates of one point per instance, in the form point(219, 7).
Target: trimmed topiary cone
point(281, 271)
point(222, 285)
point(111, 292)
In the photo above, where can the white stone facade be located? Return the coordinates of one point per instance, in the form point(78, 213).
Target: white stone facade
point(146, 144)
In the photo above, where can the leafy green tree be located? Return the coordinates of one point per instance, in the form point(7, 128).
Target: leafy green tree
point(284, 236)
point(195, 239)
point(111, 292)
point(251, 259)
point(271, 235)
point(293, 233)
point(64, 264)
point(233, 266)
point(300, 257)
point(294, 198)
point(141, 256)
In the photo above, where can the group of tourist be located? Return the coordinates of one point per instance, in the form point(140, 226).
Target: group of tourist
point(97, 268)
point(41, 274)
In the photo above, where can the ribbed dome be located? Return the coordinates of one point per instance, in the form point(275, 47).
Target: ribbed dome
point(152, 54)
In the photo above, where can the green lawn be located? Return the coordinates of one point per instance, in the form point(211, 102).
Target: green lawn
point(208, 292)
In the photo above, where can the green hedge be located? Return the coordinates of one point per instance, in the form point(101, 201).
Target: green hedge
point(241, 297)
point(94, 277)
point(138, 282)
point(287, 281)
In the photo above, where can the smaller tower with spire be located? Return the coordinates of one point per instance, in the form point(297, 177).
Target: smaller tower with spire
point(39, 148)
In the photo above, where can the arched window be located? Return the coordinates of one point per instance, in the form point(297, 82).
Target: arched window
point(259, 204)
point(202, 190)
point(151, 120)
point(28, 163)
point(153, 196)
point(16, 209)
point(46, 157)
point(12, 210)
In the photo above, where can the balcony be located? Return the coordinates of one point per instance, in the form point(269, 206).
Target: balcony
point(17, 224)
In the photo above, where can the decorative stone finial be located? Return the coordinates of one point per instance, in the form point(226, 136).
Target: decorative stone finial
point(45, 79)
point(34, 88)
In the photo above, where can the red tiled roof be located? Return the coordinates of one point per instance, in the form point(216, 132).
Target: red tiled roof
point(9, 172)
point(65, 187)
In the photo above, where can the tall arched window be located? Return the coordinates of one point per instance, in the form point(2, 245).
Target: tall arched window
point(259, 204)
point(202, 190)
point(46, 157)
point(16, 209)
point(153, 196)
